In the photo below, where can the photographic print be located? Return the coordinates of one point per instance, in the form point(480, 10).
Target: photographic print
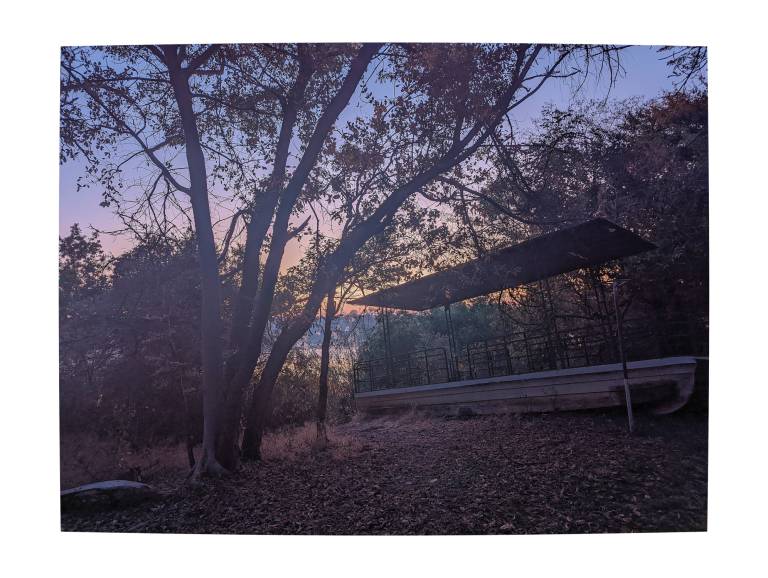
point(384, 288)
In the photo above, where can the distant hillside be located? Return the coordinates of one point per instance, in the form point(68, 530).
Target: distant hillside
point(342, 327)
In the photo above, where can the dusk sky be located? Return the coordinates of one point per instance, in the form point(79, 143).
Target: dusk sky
point(645, 76)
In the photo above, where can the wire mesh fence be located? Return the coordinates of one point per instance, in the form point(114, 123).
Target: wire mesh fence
point(526, 352)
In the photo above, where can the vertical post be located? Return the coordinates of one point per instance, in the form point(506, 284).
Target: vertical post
point(602, 309)
point(585, 346)
point(469, 363)
point(527, 352)
point(388, 349)
point(627, 395)
point(549, 349)
point(371, 378)
point(507, 357)
point(453, 369)
point(488, 359)
point(561, 351)
point(426, 366)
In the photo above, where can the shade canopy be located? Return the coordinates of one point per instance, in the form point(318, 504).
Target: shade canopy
point(584, 245)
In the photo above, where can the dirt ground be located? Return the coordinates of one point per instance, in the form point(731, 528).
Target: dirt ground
point(549, 473)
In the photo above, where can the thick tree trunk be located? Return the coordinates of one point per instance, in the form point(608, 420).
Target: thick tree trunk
point(327, 277)
point(260, 408)
point(210, 313)
point(236, 380)
point(462, 148)
point(325, 358)
point(280, 237)
point(228, 448)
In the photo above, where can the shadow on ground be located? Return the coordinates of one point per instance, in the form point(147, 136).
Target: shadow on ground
point(549, 473)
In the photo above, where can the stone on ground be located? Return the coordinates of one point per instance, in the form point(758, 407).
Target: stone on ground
point(107, 494)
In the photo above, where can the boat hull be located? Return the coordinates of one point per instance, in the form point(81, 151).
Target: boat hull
point(663, 384)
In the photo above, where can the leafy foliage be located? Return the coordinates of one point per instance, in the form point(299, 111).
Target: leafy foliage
point(396, 158)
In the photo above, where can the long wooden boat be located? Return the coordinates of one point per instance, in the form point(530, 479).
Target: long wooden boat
point(664, 384)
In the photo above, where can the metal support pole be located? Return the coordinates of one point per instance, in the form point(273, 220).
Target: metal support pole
point(560, 351)
point(451, 341)
point(549, 349)
point(469, 364)
point(527, 352)
point(488, 359)
point(507, 357)
point(371, 377)
point(388, 349)
point(630, 416)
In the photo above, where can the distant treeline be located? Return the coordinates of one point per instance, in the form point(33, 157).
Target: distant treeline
point(130, 325)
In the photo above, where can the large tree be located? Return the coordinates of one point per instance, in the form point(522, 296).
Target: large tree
point(258, 124)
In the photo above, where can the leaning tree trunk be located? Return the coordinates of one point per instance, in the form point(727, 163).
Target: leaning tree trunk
point(228, 448)
point(462, 149)
point(280, 236)
point(260, 407)
point(237, 381)
point(325, 356)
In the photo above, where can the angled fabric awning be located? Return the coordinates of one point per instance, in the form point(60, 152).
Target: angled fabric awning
point(584, 245)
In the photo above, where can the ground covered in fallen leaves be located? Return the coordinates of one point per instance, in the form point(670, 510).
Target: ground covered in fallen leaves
point(549, 473)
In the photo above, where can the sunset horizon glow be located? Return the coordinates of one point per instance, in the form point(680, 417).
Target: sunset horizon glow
point(646, 76)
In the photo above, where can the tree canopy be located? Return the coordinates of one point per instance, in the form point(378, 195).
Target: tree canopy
point(384, 160)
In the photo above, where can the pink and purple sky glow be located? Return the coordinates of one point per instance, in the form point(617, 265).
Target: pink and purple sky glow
point(645, 76)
